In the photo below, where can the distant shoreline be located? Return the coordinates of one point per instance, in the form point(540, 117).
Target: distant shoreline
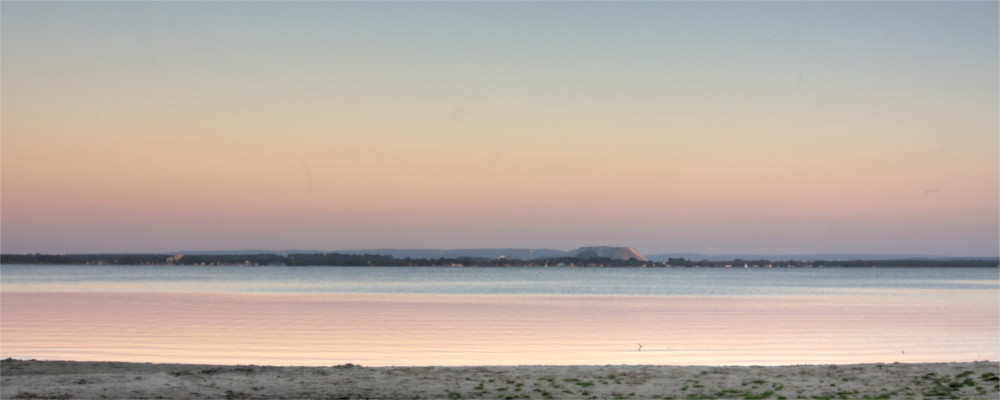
point(67, 379)
point(361, 260)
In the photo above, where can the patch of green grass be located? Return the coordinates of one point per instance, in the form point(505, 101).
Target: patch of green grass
point(759, 396)
point(945, 387)
point(941, 391)
point(843, 394)
point(729, 393)
point(579, 382)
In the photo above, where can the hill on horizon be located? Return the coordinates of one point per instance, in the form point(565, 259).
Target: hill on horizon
point(489, 253)
point(539, 253)
point(614, 253)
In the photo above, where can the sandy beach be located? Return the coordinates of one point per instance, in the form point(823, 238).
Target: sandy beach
point(111, 380)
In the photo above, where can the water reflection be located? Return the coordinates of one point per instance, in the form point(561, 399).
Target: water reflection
point(493, 281)
point(401, 329)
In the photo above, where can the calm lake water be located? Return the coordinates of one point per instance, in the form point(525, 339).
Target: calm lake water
point(499, 316)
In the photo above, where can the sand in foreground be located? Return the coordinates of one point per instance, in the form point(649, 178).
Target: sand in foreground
point(65, 380)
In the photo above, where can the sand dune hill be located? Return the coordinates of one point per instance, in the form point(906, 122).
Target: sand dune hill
point(617, 253)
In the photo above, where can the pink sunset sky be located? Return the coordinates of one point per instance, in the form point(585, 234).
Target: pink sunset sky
point(798, 127)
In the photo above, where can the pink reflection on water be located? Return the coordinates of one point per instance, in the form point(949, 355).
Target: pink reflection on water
point(380, 330)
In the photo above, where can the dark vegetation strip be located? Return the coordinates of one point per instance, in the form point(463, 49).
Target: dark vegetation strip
point(337, 259)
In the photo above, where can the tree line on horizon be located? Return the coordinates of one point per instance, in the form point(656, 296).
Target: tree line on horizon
point(375, 260)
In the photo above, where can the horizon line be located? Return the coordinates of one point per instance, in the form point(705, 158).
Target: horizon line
point(674, 253)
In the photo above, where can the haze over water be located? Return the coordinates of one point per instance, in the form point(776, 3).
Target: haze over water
point(499, 316)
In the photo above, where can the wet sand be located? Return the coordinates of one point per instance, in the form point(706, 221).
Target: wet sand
point(112, 380)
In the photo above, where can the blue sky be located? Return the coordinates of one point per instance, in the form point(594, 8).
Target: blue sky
point(759, 127)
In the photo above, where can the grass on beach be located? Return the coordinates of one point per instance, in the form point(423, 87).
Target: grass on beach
point(65, 380)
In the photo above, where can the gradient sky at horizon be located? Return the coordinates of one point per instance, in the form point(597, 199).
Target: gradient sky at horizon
point(719, 127)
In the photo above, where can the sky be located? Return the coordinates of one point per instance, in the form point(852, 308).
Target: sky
point(708, 127)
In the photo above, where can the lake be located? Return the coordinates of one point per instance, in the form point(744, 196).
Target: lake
point(377, 316)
